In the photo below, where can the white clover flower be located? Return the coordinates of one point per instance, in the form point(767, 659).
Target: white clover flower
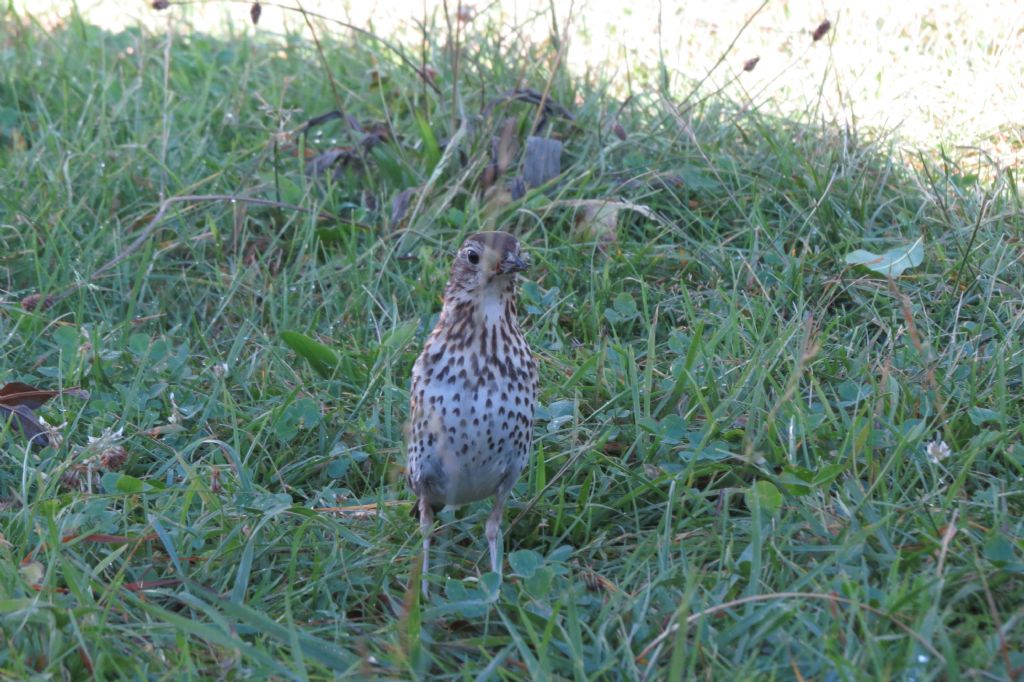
point(937, 450)
point(107, 438)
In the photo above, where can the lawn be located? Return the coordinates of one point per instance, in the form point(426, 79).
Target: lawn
point(760, 453)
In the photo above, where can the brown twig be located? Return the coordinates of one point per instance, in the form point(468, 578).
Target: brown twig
point(921, 345)
point(1004, 649)
point(947, 538)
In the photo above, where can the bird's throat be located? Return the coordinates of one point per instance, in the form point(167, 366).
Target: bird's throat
point(486, 315)
point(488, 305)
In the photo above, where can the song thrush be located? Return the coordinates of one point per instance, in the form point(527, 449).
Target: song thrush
point(473, 392)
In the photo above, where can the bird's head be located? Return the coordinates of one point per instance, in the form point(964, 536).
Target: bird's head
point(487, 261)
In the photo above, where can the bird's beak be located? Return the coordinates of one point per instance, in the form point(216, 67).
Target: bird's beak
point(512, 263)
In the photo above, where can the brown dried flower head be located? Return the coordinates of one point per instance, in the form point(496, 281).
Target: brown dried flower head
point(113, 458)
point(822, 30)
point(33, 301)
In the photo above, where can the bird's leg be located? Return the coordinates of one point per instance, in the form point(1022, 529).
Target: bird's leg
point(427, 528)
point(493, 529)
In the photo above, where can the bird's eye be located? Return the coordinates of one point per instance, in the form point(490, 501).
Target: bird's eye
point(472, 256)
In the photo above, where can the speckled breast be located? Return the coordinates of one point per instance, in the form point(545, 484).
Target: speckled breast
point(471, 418)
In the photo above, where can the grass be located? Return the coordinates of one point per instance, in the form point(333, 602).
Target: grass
point(730, 476)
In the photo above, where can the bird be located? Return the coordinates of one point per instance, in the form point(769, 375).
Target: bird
point(473, 392)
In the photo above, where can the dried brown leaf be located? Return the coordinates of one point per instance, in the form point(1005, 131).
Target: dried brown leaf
point(488, 176)
point(543, 160)
point(323, 161)
point(517, 187)
point(24, 421)
point(400, 205)
point(352, 122)
point(505, 145)
point(496, 198)
point(597, 221)
point(18, 393)
point(163, 430)
point(17, 402)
